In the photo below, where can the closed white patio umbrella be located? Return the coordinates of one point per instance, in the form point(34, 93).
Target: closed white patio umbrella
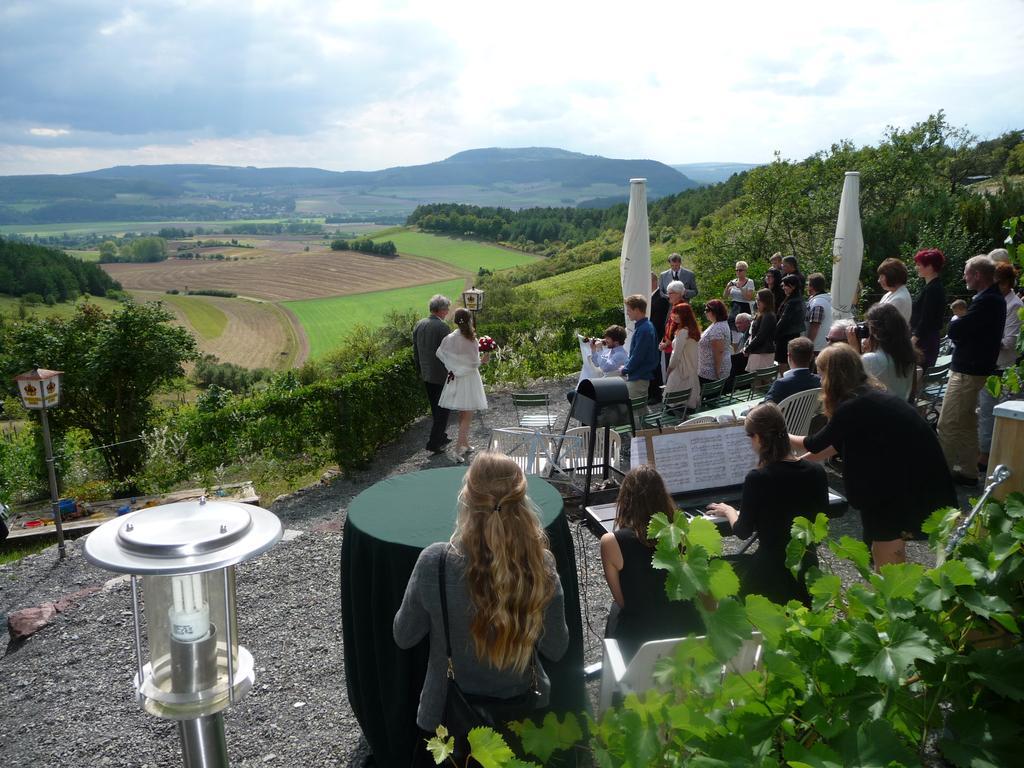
point(847, 249)
point(635, 262)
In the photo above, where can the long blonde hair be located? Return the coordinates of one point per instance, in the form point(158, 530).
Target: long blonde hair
point(507, 578)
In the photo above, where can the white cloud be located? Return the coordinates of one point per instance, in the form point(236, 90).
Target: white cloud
point(376, 84)
point(49, 131)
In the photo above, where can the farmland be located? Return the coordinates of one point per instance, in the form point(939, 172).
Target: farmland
point(113, 228)
point(9, 306)
point(466, 255)
point(328, 320)
point(253, 334)
point(274, 271)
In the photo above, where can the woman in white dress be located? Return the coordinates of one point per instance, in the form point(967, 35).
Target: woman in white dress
point(682, 364)
point(892, 276)
point(464, 389)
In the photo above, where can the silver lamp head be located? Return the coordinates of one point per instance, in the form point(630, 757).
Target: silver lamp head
point(186, 553)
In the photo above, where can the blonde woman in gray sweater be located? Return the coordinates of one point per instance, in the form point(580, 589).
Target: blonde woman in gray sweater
point(504, 597)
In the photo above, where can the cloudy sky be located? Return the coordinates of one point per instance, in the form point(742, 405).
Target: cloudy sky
point(365, 85)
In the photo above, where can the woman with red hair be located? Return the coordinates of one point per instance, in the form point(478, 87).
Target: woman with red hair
point(682, 364)
point(929, 309)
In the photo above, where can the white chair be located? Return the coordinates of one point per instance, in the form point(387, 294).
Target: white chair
point(583, 433)
point(619, 679)
point(699, 420)
point(799, 409)
point(532, 450)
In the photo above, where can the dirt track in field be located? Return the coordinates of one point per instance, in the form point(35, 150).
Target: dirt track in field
point(258, 334)
point(281, 274)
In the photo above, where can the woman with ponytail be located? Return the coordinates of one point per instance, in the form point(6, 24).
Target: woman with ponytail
point(464, 389)
point(503, 594)
point(780, 489)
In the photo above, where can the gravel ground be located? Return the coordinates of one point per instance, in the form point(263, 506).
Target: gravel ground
point(67, 693)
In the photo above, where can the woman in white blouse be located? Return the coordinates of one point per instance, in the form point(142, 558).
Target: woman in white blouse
point(889, 354)
point(892, 276)
point(464, 389)
point(740, 292)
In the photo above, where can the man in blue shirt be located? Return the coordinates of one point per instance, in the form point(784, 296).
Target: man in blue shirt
point(610, 359)
point(643, 349)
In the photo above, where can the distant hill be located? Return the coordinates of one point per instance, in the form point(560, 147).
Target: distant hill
point(514, 178)
point(712, 173)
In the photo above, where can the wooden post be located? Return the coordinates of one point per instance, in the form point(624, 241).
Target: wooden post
point(1008, 445)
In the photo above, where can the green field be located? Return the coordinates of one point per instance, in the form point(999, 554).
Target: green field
point(9, 306)
point(207, 320)
point(329, 320)
point(598, 282)
point(469, 255)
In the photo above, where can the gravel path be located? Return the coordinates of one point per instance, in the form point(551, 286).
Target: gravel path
point(67, 693)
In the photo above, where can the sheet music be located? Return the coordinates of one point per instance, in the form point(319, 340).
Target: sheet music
point(692, 460)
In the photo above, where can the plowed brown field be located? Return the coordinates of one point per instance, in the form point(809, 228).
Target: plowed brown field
point(274, 274)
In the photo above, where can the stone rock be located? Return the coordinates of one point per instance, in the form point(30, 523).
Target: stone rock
point(28, 621)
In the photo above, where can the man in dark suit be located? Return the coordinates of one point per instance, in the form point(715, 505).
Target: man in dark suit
point(659, 306)
point(799, 377)
point(426, 338)
point(675, 271)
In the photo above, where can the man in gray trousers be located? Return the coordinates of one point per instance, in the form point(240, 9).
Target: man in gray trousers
point(426, 338)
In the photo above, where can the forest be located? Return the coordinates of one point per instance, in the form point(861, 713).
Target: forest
point(33, 269)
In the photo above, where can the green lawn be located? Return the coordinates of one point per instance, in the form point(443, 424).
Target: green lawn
point(209, 321)
point(329, 320)
point(469, 255)
point(9, 306)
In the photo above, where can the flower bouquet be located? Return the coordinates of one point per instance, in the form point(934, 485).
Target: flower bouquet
point(487, 344)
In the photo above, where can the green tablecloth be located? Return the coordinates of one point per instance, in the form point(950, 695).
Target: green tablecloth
point(386, 528)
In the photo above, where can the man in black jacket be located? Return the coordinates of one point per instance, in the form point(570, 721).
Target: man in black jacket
point(426, 338)
point(976, 337)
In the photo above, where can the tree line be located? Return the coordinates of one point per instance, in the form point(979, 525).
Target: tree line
point(33, 269)
point(139, 250)
point(366, 245)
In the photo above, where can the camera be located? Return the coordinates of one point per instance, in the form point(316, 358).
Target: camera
point(862, 331)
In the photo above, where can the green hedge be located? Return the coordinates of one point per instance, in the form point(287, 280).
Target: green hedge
point(349, 417)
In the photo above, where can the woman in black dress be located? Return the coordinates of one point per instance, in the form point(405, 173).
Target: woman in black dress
point(780, 489)
point(760, 349)
point(790, 319)
point(929, 309)
point(894, 471)
point(773, 282)
point(642, 610)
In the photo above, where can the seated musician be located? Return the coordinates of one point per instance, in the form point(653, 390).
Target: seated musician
point(780, 489)
point(642, 610)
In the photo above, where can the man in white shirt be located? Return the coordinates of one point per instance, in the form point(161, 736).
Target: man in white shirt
point(819, 311)
point(613, 355)
point(1005, 278)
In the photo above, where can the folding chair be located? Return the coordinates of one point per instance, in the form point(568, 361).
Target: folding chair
point(674, 407)
point(763, 379)
point(619, 679)
point(713, 395)
point(638, 406)
point(583, 434)
point(741, 387)
point(931, 392)
point(533, 409)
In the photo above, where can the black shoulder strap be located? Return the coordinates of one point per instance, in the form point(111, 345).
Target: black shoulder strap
point(444, 604)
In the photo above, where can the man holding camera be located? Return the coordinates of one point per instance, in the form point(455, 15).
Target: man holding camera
point(976, 336)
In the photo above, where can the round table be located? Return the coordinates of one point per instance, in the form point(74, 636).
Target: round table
point(386, 527)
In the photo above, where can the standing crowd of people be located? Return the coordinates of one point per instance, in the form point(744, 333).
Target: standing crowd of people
point(500, 598)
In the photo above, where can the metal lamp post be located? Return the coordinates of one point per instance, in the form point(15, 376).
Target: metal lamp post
point(473, 299)
point(40, 390)
point(185, 553)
